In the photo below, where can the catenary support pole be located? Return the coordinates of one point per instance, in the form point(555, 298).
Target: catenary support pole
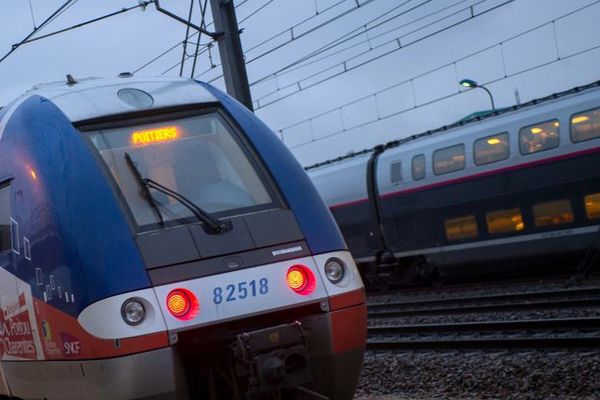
point(230, 50)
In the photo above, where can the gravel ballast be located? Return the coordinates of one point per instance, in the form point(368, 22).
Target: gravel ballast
point(481, 375)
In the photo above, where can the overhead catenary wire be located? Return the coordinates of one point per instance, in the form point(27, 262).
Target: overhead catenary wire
point(347, 37)
point(441, 67)
point(202, 24)
point(52, 16)
point(187, 35)
point(294, 37)
point(81, 24)
point(253, 13)
point(344, 68)
point(291, 29)
point(173, 47)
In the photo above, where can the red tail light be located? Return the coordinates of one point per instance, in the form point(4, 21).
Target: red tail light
point(183, 304)
point(301, 280)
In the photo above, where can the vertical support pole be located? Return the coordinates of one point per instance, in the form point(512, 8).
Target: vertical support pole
point(230, 50)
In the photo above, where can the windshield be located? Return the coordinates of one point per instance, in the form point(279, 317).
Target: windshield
point(197, 157)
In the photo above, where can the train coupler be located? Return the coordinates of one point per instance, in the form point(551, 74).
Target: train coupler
point(272, 359)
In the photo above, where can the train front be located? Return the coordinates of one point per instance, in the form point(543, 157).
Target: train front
point(250, 289)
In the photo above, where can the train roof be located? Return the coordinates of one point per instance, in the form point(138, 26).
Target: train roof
point(467, 121)
point(91, 98)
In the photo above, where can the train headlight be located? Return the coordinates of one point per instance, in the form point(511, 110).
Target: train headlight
point(335, 270)
point(133, 311)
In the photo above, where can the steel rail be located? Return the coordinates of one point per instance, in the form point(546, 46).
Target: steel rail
point(556, 324)
point(487, 344)
point(522, 306)
point(595, 291)
point(477, 303)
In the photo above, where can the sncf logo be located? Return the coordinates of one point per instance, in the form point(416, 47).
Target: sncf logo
point(71, 344)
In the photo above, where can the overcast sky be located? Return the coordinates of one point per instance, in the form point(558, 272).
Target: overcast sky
point(390, 67)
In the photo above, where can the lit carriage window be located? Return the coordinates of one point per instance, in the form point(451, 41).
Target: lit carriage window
point(418, 167)
point(396, 172)
point(592, 205)
point(505, 221)
point(461, 228)
point(5, 222)
point(449, 159)
point(553, 213)
point(539, 137)
point(491, 149)
point(585, 126)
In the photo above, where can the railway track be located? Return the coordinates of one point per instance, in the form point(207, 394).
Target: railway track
point(545, 333)
point(569, 333)
point(490, 303)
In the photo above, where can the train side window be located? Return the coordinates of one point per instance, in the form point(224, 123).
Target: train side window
point(418, 167)
point(396, 172)
point(592, 205)
point(491, 149)
point(539, 137)
point(5, 221)
point(449, 159)
point(505, 221)
point(461, 228)
point(585, 126)
point(553, 213)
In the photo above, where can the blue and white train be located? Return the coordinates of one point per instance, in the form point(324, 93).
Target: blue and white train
point(517, 190)
point(157, 241)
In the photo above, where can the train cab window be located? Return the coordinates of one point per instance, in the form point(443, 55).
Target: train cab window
point(491, 149)
point(539, 137)
point(461, 228)
point(449, 159)
point(200, 157)
point(553, 213)
point(505, 221)
point(592, 205)
point(5, 222)
point(585, 126)
point(396, 172)
point(418, 167)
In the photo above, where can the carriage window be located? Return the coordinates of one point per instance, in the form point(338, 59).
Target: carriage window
point(396, 172)
point(418, 167)
point(592, 205)
point(5, 214)
point(585, 125)
point(553, 213)
point(449, 159)
point(539, 137)
point(491, 149)
point(461, 228)
point(505, 221)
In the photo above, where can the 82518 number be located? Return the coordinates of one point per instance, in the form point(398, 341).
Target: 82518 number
point(242, 291)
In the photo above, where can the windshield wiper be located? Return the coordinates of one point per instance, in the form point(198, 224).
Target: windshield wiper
point(144, 187)
point(210, 224)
